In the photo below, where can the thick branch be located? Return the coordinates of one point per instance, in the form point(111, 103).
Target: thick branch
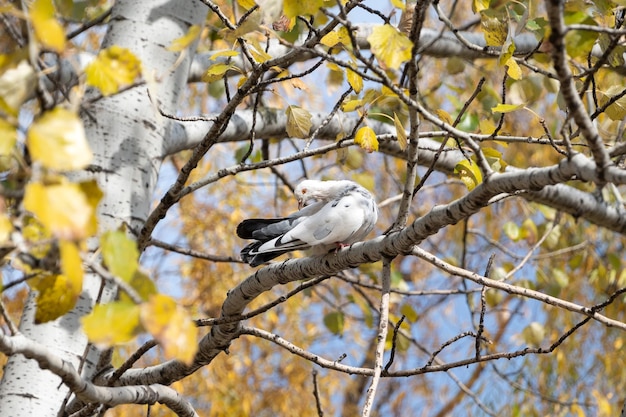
point(568, 88)
point(88, 392)
point(401, 242)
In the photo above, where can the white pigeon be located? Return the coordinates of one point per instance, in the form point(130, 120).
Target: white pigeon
point(332, 214)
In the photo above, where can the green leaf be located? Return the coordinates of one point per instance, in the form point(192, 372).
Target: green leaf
point(335, 322)
point(120, 254)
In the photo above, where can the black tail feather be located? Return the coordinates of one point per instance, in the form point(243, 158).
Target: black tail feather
point(250, 255)
point(246, 228)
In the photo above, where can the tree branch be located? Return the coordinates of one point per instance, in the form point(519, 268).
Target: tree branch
point(88, 392)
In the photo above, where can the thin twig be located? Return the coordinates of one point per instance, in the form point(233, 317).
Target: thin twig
point(393, 344)
point(316, 395)
point(381, 336)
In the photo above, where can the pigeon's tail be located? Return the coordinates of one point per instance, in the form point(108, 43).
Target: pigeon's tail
point(252, 228)
point(251, 255)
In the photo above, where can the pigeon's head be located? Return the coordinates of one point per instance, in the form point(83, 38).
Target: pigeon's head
point(310, 191)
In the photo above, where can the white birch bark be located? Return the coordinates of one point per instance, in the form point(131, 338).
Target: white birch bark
point(126, 136)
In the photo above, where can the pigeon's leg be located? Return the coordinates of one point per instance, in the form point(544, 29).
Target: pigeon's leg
point(340, 246)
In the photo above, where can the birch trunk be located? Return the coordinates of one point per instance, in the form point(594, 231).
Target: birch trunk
point(127, 137)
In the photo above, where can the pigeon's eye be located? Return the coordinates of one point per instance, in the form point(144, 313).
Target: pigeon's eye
point(304, 191)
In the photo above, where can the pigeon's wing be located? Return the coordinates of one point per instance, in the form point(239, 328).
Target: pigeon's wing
point(340, 221)
point(266, 229)
point(345, 218)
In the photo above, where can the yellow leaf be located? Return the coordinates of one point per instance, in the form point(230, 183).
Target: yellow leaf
point(390, 46)
point(250, 25)
point(617, 110)
point(486, 126)
point(351, 105)
point(112, 324)
point(480, 5)
point(38, 237)
point(71, 264)
point(220, 54)
point(144, 286)
point(17, 84)
point(494, 158)
point(47, 29)
point(184, 41)
point(444, 116)
point(258, 52)
point(8, 133)
point(63, 209)
point(469, 173)
point(506, 108)
point(494, 30)
point(56, 295)
point(366, 138)
point(5, 228)
point(171, 326)
point(299, 84)
point(57, 140)
point(399, 4)
point(400, 132)
point(513, 69)
point(386, 91)
point(113, 68)
point(293, 8)
point(120, 254)
point(216, 72)
point(338, 36)
point(298, 122)
point(330, 39)
point(355, 81)
point(246, 4)
point(333, 67)
point(534, 333)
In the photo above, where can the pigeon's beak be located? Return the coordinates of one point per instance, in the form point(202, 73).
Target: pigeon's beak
point(300, 204)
